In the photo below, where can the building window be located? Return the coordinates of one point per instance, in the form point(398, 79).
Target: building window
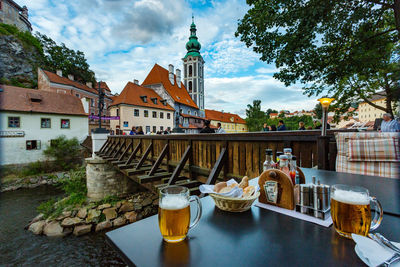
point(190, 87)
point(33, 144)
point(194, 72)
point(154, 114)
point(92, 116)
point(154, 129)
point(161, 128)
point(195, 86)
point(180, 110)
point(195, 113)
point(65, 124)
point(45, 123)
point(168, 116)
point(13, 122)
point(146, 114)
point(126, 124)
point(161, 115)
point(136, 112)
point(147, 129)
point(92, 102)
point(77, 95)
point(117, 112)
point(190, 70)
point(189, 112)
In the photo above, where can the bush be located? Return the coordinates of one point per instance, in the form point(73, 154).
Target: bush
point(66, 152)
point(47, 208)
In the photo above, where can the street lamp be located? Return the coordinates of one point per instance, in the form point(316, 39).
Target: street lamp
point(325, 102)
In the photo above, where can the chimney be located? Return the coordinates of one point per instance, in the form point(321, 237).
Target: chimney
point(89, 84)
point(59, 72)
point(136, 81)
point(178, 77)
point(71, 77)
point(171, 73)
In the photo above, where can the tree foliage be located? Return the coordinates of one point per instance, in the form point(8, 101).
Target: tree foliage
point(65, 152)
point(60, 57)
point(255, 117)
point(347, 49)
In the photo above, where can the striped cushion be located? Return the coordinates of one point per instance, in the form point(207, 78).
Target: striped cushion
point(373, 150)
point(373, 160)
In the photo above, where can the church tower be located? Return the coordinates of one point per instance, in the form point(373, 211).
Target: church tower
point(193, 68)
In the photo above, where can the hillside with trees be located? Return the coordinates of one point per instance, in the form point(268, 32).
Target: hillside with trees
point(21, 53)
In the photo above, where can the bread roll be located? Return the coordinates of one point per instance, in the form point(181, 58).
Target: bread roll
point(248, 191)
point(226, 189)
point(244, 183)
point(219, 186)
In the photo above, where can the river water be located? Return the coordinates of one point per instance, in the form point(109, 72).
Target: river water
point(19, 247)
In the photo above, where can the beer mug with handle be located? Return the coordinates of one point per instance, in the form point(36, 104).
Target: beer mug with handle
point(351, 210)
point(174, 213)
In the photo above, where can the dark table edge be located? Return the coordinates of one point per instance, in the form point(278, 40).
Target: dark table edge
point(120, 253)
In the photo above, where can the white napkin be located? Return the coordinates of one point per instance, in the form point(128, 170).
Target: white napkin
point(372, 253)
point(235, 192)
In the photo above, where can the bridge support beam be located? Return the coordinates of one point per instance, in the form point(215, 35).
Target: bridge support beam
point(103, 180)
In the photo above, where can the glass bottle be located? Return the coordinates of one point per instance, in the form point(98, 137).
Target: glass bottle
point(278, 154)
point(269, 162)
point(294, 174)
point(288, 152)
point(284, 164)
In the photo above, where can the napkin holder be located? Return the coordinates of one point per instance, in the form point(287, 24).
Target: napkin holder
point(276, 188)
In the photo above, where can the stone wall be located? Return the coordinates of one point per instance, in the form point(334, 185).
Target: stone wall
point(104, 180)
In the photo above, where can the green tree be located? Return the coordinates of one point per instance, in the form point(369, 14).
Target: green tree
point(318, 111)
point(66, 152)
point(65, 59)
point(349, 49)
point(255, 117)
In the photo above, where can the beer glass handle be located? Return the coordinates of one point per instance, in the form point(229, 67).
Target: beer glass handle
point(378, 214)
point(199, 211)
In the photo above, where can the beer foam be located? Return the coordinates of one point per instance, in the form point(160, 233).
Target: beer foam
point(350, 197)
point(174, 202)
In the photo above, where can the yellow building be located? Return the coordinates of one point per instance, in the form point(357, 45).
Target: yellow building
point(366, 112)
point(231, 123)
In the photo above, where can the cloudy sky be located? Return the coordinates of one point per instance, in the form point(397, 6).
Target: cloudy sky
point(123, 39)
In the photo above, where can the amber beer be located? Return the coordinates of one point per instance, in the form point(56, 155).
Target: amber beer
point(174, 218)
point(351, 210)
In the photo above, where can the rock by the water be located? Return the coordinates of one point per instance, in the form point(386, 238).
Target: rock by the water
point(68, 230)
point(92, 215)
point(137, 207)
point(126, 206)
point(82, 229)
point(38, 218)
point(37, 227)
point(131, 216)
point(155, 202)
point(68, 222)
point(104, 206)
point(119, 221)
point(63, 215)
point(118, 204)
point(103, 226)
point(53, 229)
point(147, 201)
point(110, 213)
point(82, 213)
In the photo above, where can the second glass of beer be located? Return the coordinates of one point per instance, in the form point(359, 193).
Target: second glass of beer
point(174, 213)
point(351, 210)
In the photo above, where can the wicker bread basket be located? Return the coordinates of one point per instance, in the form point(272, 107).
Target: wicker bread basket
point(234, 204)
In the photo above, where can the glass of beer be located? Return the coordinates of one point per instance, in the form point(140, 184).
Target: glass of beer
point(351, 210)
point(174, 213)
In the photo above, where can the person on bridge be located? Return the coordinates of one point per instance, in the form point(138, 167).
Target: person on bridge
point(388, 124)
point(220, 129)
point(133, 131)
point(139, 130)
point(207, 128)
point(281, 126)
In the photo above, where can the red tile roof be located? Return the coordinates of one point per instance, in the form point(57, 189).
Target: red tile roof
point(54, 78)
point(223, 116)
point(159, 75)
point(132, 93)
point(20, 99)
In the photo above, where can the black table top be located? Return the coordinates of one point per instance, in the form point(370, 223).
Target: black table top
point(257, 237)
point(386, 190)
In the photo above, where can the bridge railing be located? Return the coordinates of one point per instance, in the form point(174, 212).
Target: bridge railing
point(245, 152)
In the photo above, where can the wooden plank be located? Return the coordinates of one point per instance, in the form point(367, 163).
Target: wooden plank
point(103, 146)
point(136, 171)
point(212, 178)
point(159, 160)
point(144, 157)
point(242, 158)
point(256, 160)
point(133, 154)
point(142, 179)
point(249, 161)
point(180, 166)
point(236, 157)
point(125, 151)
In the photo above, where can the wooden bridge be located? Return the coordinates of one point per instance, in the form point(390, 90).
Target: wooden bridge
point(156, 161)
